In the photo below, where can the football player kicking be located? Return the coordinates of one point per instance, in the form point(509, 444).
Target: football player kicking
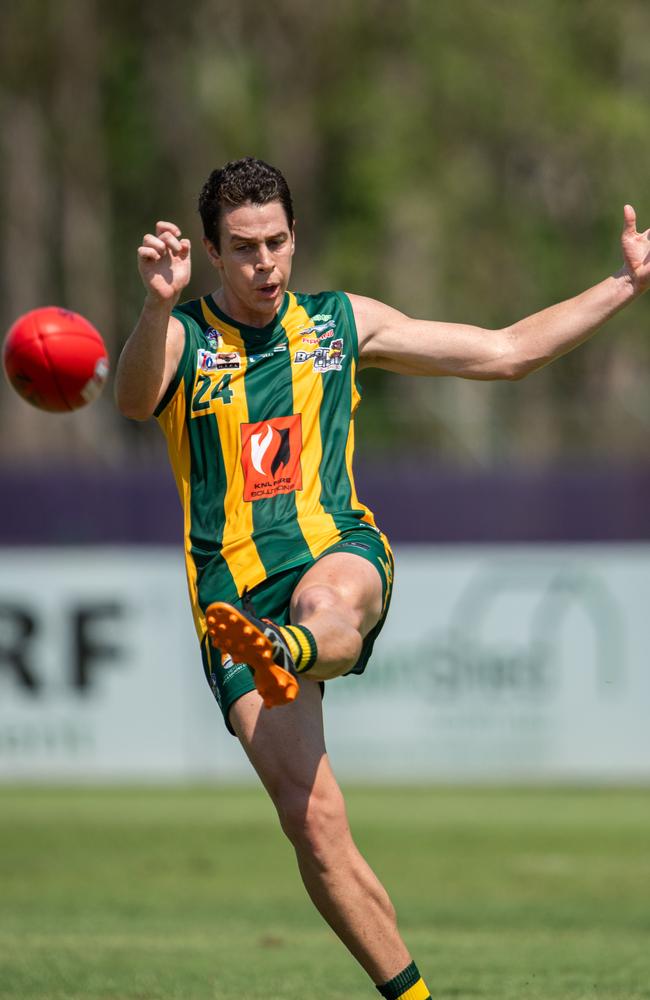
point(290, 579)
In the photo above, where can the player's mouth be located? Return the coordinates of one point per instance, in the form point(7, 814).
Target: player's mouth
point(270, 290)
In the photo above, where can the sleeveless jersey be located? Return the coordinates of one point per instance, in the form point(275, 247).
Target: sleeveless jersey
point(260, 434)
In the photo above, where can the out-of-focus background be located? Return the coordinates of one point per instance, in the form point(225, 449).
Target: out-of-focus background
point(461, 161)
point(465, 161)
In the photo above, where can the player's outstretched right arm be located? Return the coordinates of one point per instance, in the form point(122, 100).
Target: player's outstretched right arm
point(151, 355)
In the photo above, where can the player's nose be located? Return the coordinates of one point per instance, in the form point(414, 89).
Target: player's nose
point(264, 259)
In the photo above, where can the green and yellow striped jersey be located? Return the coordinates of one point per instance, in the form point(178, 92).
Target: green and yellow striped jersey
point(260, 433)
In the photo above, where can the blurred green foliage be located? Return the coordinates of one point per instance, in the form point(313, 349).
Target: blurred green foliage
point(462, 161)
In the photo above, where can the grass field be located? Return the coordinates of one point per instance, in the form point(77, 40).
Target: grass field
point(193, 893)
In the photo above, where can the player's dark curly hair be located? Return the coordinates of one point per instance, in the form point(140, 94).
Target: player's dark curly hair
point(236, 183)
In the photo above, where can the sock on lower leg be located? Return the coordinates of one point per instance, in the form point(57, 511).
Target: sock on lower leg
point(302, 646)
point(407, 985)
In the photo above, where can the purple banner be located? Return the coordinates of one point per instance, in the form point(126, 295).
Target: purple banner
point(412, 503)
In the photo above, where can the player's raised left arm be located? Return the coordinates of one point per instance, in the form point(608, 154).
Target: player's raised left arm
point(389, 339)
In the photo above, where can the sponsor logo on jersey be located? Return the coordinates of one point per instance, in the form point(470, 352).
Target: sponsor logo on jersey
point(267, 354)
point(213, 338)
point(314, 334)
point(321, 318)
point(271, 457)
point(259, 357)
point(210, 361)
point(325, 359)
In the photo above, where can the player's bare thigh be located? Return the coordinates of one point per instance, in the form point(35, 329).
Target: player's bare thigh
point(347, 585)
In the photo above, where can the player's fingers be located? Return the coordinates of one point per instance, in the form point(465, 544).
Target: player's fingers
point(149, 240)
point(186, 247)
point(171, 242)
point(167, 227)
point(629, 216)
point(148, 253)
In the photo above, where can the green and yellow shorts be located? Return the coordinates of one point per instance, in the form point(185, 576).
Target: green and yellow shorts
point(272, 599)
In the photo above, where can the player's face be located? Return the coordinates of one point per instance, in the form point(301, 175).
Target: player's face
point(254, 260)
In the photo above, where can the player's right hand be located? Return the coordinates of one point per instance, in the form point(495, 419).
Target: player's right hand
point(164, 263)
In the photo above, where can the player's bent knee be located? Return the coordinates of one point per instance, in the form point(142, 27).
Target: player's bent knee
point(314, 599)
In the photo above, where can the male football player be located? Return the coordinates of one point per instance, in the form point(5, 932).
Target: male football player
point(290, 578)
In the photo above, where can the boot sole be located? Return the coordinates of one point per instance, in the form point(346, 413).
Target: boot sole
point(230, 630)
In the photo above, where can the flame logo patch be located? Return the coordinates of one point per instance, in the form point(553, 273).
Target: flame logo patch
point(271, 457)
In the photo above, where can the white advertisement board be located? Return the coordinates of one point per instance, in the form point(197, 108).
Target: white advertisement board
point(496, 663)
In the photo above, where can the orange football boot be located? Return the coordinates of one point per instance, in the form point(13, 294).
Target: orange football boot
point(259, 644)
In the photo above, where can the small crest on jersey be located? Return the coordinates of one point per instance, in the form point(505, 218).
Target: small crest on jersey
point(325, 359)
point(213, 338)
point(211, 361)
point(321, 318)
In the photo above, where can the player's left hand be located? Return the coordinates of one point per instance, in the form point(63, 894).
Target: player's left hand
point(636, 252)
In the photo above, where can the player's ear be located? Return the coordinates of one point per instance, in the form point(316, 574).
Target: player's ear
point(293, 238)
point(212, 252)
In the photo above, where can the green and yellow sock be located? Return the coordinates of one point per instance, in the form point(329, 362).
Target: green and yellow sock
point(408, 985)
point(302, 646)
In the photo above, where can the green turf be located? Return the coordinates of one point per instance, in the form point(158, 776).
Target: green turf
point(193, 893)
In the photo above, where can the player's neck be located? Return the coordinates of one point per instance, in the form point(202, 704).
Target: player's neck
point(241, 313)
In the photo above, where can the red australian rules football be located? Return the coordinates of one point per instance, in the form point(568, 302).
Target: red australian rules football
point(55, 359)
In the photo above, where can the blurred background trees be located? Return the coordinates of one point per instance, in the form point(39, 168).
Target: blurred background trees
point(463, 161)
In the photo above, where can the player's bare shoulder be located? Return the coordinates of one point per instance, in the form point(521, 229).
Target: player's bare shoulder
point(175, 341)
point(174, 345)
point(373, 318)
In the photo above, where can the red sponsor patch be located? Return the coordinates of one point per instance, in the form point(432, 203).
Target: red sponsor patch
point(271, 457)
